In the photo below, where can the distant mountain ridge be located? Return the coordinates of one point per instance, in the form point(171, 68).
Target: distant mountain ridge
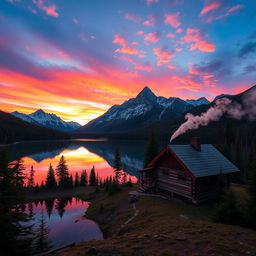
point(14, 129)
point(143, 110)
point(44, 119)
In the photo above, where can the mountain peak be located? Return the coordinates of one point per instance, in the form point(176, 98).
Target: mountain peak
point(146, 93)
point(39, 111)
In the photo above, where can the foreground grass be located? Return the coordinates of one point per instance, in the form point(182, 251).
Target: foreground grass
point(162, 228)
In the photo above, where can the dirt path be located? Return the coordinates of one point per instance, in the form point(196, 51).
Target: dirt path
point(136, 211)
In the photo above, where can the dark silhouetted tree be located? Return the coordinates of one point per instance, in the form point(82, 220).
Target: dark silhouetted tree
point(14, 239)
point(62, 172)
point(151, 149)
point(31, 180)
point(77, 181)
point(50, 178)
point(92, 178)
point(49, 206)
point(42, 243)
point(117, 166)
point(83, 179)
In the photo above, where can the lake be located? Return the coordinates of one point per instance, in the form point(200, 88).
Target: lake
point(80, 155)
point(64, 220)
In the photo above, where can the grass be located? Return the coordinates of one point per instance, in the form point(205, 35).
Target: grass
point(159, 229)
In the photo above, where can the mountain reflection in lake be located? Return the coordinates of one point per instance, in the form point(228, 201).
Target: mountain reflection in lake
point(80, 155)
point(64, 220)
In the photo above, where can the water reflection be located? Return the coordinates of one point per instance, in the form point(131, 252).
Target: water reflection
point(80, 155)
point(62, 221)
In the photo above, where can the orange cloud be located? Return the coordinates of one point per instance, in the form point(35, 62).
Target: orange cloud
point(163, 56)
point(125, 48)
point(194, 36)
point(173, 19)
point(153, 37)
point(210, 7)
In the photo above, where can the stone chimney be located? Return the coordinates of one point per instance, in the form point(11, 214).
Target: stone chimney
point(195, 142)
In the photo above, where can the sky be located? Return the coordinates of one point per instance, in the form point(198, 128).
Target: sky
point(77, 58)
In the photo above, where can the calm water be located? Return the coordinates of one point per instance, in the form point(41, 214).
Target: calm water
point(64, 220)
point(80, 155)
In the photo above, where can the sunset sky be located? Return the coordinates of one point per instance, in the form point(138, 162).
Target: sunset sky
point(78, 58)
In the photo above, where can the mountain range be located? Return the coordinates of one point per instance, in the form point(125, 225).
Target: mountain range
point(143, 110)
point(44, 119)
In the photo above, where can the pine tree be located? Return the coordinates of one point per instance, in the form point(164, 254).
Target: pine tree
point(151, 149)
point(77, 182)
point(83, 179)
point(92, 178)
point(70, 182)
point(50, 178)
point(42, 186)
point(42, 242)
point(31, 180)
point(117, 166)
point(19, 175)
point(62, 172)
point(13, 235)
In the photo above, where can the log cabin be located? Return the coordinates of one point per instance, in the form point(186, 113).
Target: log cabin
point(191, 171)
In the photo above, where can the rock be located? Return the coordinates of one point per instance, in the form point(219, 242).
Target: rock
point(92, 251)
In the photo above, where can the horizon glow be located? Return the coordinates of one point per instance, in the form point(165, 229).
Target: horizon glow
point(78, 59)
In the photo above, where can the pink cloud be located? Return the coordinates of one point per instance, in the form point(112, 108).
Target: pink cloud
point(170, 66)
point(134, 43)
point(132, 17)
point(119, 40)
point(163, 56)
point(153, 37)
point(194, 36)
point(170, 35)
point(173, 19)
point(148, 2)
point(210, 7)
point(230, 11)
point(49, 10)
point(125, 48)
point(146, 67)
point(139, 33)
point(137, 65)
point(151, 21)
point(179, 30)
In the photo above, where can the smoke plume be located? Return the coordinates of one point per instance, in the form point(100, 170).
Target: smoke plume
point(222, 106)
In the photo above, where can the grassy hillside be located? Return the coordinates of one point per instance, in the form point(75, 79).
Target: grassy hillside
point(161, 228)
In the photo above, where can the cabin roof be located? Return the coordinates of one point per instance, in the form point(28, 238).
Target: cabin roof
point(207, 162)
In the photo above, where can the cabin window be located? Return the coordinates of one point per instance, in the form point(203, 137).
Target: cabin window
point(181, 175)
point(166, 172)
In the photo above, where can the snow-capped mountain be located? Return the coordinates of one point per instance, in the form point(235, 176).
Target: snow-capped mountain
point(139, 112)
point(198, 102)
point(42, 118)
point(25, 117)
